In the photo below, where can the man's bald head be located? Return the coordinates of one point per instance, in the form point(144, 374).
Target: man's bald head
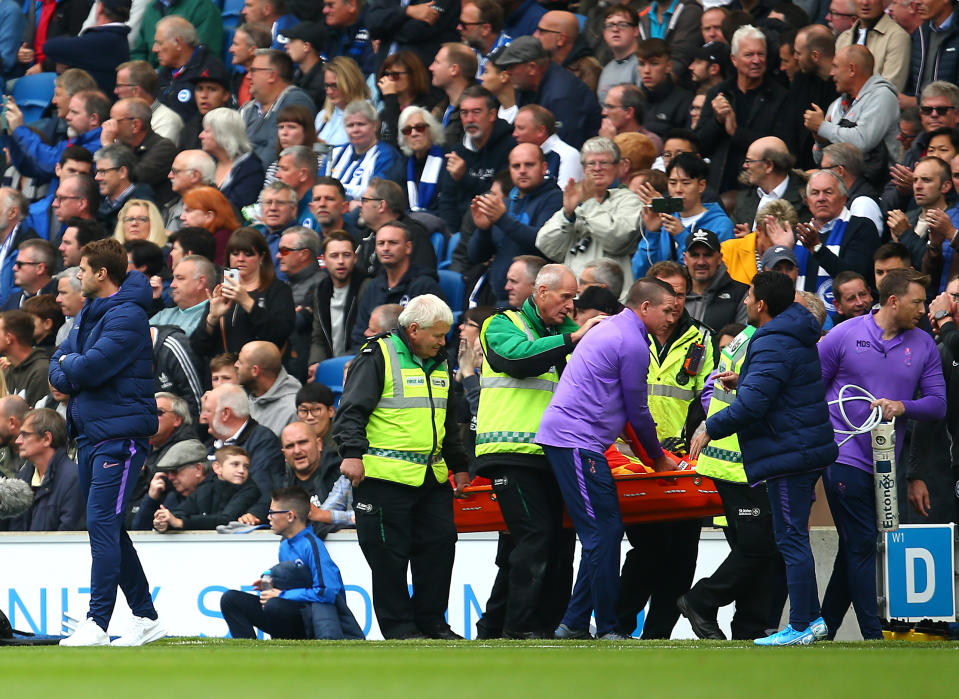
point(13, 406)
point(265, 355)
point(565, 22)
point(859, 56)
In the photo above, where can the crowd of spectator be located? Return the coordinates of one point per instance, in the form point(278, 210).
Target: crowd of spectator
point(288, 185)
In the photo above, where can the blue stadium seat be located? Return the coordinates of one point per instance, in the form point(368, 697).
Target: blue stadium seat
point(582, 21)
point(33, 93)
point(451, 244)
point(453, 288)
point(439, 245)
point(232, 16)
point(330, 373)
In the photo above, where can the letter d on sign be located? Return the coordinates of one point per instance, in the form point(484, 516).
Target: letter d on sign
point(913, 556)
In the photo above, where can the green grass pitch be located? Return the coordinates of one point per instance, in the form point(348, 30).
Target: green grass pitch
point(222, 668)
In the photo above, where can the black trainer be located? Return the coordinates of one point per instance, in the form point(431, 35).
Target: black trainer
point(703, 627)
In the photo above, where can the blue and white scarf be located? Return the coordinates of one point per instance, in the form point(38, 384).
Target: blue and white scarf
point(421, 193)
point(354, 174)
point(822, 284)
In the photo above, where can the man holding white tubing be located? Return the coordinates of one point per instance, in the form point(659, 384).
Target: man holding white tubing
point(885, 354)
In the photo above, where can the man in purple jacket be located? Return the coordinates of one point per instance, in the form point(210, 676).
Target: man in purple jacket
point(603, 387)
point(886, 354)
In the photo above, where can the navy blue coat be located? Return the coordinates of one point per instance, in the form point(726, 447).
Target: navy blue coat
point(780, 409)
point(945, 62)
point(57, 503)
point(107, 367)
point(98, 50)
point(577, 111)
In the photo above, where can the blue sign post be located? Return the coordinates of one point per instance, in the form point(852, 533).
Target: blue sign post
point(919, 572)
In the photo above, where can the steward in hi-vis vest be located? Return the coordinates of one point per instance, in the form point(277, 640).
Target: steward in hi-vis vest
point(398, 441)
point(524, 354)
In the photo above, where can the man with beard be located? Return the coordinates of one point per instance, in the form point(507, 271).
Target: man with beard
point(335, 299)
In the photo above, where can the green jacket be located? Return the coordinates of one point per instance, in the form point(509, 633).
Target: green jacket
point(202, 14)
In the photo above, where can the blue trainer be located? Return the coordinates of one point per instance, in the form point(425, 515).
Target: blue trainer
point(787, 637)
point(819, 629)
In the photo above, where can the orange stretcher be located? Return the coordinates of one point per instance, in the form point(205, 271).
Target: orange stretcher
point(644, 496)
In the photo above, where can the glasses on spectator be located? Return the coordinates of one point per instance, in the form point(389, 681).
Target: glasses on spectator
point(330, 86)
point(750, 161)
point(276, 202)
point(270, 513)
point(939, 111)
point(839, 14)
point(954, 297)
point(410, 128)
point(284, 251)
point(127, 85)
point(304, 410)
point(24, 263)
point(136, 219)
point(105, 170)
point(597, 164)
point(28, 433)
point(61, 197)
point(395, 74)
point(607, 105)
point(160, 412)
point(544, 30)
point(610, 26)
point(254, 69)
point(369, 199)
point(470, 24)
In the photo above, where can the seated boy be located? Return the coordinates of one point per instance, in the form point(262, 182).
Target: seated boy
point(217, 501)
point(296, 604)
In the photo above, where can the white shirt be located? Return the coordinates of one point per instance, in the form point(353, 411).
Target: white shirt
point(777, 193)
point(569, 163)
point(337, 305)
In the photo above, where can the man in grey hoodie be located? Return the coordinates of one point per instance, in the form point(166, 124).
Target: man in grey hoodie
point(272, 391)
point(866, 113)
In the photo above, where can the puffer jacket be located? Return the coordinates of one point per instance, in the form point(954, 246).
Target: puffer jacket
point(780, 411)
point(106, 366)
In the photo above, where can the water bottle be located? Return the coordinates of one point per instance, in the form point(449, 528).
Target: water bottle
point(266, 582)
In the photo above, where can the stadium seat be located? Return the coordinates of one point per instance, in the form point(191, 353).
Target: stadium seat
point(447, 260)
point(582, 21)
point(453, 288)
point(232, 15)
point(330, 373)
point(439, 245)
point(33, 93)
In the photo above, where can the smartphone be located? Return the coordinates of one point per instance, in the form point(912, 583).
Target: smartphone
point(667, 205)
point(232, 274)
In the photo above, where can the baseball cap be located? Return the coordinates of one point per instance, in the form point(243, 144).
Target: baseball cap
point(311, 32)
point(714, 52)
point(215, 72)
point(701, 236)
point(597, 298)
point(775, 255)
point(185, 453)
point(520, 50)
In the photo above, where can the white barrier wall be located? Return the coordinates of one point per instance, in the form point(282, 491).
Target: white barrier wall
point(45, 575)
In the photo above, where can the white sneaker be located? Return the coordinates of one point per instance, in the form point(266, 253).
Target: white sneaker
point(88, 633)
point(143, 631)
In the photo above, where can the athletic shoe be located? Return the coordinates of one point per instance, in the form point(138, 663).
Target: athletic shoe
point(787, 637)
point(703, 626)
point(142, 631)
point(565, 633)
point(819, 629)
point(613, 636)
point(88, 633)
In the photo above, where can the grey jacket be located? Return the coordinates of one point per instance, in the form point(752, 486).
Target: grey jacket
point(874, 115)
point(276, 408)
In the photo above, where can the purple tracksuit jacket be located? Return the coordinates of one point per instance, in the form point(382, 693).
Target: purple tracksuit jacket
point(602, 387)
point(854, 353)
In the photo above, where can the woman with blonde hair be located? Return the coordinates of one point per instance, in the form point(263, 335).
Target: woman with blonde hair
point(206, 207)
point(140, 219)
point(344, 84)
point(239, 173)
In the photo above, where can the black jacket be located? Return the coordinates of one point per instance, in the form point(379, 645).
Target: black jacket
point(57, 503)
point(577, 111)
point(667, 106)
point(763, 118)
point(175, 367)
point(154, 158)
point(177, 92)
point(859, 242)
point(946, 60)
point(321, 344)
point(271, 319)
point(315, 487)
point(805, 90)
point(416, 281)
point(266, 462)
point(747, 201)
point(98, 50)
point(387, 21)
point(364, 387)
point(723, 300)
point(312, 83)
point(423, 255)
point(217, 502)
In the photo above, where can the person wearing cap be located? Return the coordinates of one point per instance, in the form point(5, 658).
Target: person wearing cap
point(180, 53)
point(621, 34)
point(780, 258)
point(206, 20)
point(506, 229)
point(399, 443)
point(686, 177)
point(538, 80)
point(129, 125)
point(304, 45)
point(524, 354)
point(178, 473)
point(211, 90)
point(98, 49)
point(708, 68)
point(713, 297)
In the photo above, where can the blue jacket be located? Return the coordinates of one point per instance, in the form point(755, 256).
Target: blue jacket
point(57, 503)
point(21, 233)
point(945, 62)
point(327, 582)
point(524, 19)
point(98, 50)
point(12, 20)
point(41, 216)
point(515, 233)
point(578, 114)
point(780, 410)
point(660, 245)
point(107, 366)
point(246, 181)
point(34, 158)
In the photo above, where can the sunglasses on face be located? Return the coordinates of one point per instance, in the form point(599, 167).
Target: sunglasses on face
point(410, 128)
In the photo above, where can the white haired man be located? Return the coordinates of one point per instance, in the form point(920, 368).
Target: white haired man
point(397, 440)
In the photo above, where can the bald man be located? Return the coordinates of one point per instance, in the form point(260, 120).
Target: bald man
point(557, 32)
point(766, 174)
point(272, 392)
point(868, 109)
